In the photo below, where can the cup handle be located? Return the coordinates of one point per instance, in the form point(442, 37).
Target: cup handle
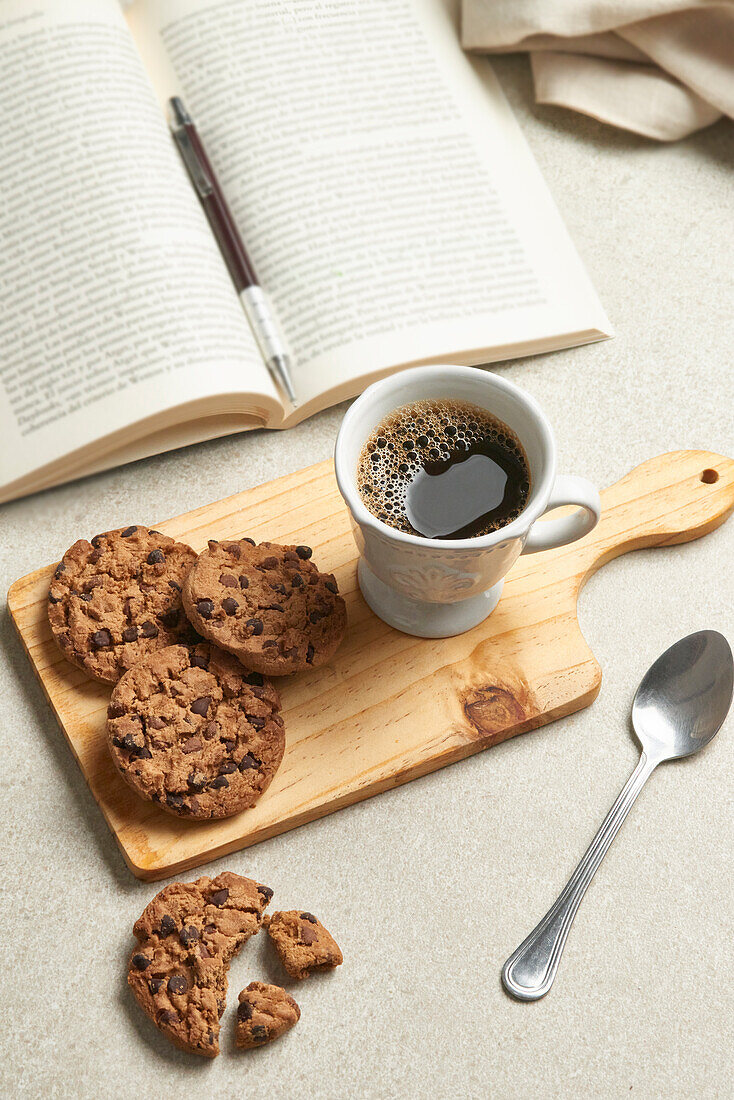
point(559, 532)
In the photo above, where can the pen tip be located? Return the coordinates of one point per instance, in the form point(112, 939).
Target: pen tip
point(178, 112)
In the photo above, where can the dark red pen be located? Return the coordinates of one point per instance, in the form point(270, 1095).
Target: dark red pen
point(254, 301)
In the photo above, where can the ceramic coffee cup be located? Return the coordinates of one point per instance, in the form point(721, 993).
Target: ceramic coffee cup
point(435, 588)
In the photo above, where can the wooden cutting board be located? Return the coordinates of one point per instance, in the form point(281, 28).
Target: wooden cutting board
point(388, 707)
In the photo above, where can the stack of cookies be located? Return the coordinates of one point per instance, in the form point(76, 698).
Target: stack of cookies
point(189, 642)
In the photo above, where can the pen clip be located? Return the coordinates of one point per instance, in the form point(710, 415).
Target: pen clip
point(200, 179)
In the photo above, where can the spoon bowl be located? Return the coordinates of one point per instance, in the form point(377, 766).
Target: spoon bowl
point(684, 696)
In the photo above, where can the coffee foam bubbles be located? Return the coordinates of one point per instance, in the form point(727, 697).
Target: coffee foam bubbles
point(422, 434)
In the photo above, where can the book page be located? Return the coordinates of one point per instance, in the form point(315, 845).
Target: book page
point(389, 202)
point(114, 301)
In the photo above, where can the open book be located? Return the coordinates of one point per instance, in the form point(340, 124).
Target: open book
point(389, 203)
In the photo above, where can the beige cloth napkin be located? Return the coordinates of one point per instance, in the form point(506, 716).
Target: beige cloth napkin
point(662, 68)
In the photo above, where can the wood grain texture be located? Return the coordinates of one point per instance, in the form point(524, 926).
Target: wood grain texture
point(388, 707)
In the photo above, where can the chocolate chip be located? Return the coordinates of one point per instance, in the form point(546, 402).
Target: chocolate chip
point(269, 563)
point(259, 1032)
point(205, 608)
point(265, 892)
point(188, 935)
point(166, 1016)
point(177, 984)
point(155, 723)
point(170, 618)
point(254, 679)
point(201, 706)
point(60, 568)
point(297, 580)
point(114, 710)
point(197, 781)
point(331, 585)
point(251, 541)
point(269, 643)
point(244, 1010)
point(168, 925)
point(227, 767)
point(274, 607)
point(278, 588)
point(309, 653)
point(211, 729)
point(128, 532)
point(101, 639)
point(143, 754)
point(307, 935)
point(255, 625)
point(219, 897)
point(85, 596)
point(255, 721)
point(176, 801)
point(53, 599)
point(220, 781)
point(229, 605)
point(130, 743)
point(154, 985)
point(149, 629)
point(228, 744)
point(96, 541)
point(194, 744)
point(176, 587)
point(152, 532)
point(197, 661)
point(233, 549)
point(244, 582)
point(228, 580)
point(130, 634)
point(155, 557)
point(304, 552)
point(141, 962)
point(248, 761)
point(309, 917)
point(203, 953)
point(315, 616)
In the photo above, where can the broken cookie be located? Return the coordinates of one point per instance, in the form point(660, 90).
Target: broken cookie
point(265, 1012)
point(187, 935)
point(303, 944)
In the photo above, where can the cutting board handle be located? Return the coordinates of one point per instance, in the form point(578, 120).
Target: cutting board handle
point(675, 497)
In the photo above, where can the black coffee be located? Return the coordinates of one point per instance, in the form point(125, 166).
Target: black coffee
point(444, 470)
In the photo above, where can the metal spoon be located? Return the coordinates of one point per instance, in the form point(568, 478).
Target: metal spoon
point(679, 706)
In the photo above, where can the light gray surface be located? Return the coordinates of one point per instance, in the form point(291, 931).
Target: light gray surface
point(430, 887)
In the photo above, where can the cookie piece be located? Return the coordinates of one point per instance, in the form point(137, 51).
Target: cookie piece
point(267, 604)
point(114, 600)
point(191, 729)
point(265, 1012)
point(187, 935)
point(302, 943)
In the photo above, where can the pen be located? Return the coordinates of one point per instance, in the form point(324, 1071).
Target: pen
point(254, 301)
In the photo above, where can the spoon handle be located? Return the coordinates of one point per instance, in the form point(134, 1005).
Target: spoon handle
point(529, 972)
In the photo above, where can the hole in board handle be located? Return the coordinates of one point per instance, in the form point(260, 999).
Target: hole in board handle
point(710, 477)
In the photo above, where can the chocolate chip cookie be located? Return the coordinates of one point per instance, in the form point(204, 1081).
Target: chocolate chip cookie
point(267, 604)
point(114, 600)
point(303, 944)
point(194, 731)
point(265, 1012)
point(187, 935)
